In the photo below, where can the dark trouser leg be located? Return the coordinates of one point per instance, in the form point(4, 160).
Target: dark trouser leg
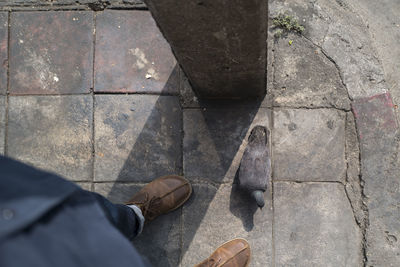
point(121, 216)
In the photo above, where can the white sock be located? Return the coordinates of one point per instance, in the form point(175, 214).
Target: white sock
point(139, 215)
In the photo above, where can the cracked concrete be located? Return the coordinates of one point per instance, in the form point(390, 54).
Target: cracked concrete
point(382, 18)
point(344, 38)
point(378, 133)
point(365, 58)
point(353, 179)
point(305, 77)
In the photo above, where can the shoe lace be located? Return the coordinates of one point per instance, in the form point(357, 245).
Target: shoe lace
point(151, 207)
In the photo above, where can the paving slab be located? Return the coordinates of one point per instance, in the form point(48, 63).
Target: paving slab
point(344, 37)
point(51, 52)
point(309, 145)
point(53, 133)
point(314, 226)
point(305, 77)
point(215, 139)
point(379, 137)
point(160, 239)
point(2, 123)
point(3, 51)
point(143, 62)
point(137, 137)
point(217, 214)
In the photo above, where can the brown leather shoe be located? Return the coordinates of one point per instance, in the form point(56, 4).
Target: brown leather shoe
point(235, 253)
point(162, 195)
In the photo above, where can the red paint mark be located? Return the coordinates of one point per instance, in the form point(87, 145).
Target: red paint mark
point(389, 101)
point(374, 114)
point(3, 45)
point(355, 112)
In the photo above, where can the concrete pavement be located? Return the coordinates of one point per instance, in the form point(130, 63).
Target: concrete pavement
point(97, 96)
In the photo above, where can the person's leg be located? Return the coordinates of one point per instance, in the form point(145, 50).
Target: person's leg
point(127, 219)
point(161, 196)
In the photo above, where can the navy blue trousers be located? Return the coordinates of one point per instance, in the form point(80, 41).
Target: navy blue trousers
point(46, 221)
point(121, 216)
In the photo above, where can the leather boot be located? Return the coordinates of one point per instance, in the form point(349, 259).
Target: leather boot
point(235, 253)
point(162, 195)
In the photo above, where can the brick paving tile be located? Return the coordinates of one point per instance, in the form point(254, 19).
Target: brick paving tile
point(215, 140)
point(53, 133)
point(3, 51)
point(132, 55)
point(137, 137)
point(214, 216)
point(51, 52)
point(309, 145)
point(160, 239)
point(314, 226)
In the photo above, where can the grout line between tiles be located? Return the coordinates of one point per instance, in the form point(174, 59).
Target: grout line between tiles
point(8, 85)
point(93, 102)
point(272, 186)
point(97, 93)
point(181, 221)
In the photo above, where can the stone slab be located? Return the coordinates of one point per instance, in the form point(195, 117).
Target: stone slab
point(217, 214)
point(160, 239)
point(305, 77)
point(344, 37)
point(309, 145)
point(221, 57)
point(314, 226)
point(142, 61)
point(215, 139)
point(51, 52)
point(53, 133)
point(2, 123)
point(379, 137)
point(3, 51)
point(137, 137)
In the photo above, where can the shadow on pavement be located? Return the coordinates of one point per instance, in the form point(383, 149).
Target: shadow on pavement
point(219, 127)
